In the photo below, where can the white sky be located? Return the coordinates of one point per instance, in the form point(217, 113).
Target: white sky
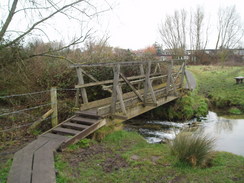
point(131, 24)
point(134, 24)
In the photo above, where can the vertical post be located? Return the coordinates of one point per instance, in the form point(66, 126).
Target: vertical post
point(81, 82)
point(116, 70)
point(141, 73)
point(170, 68)
point(141, 69)
point(54, 105)
point(147, 80)
point(77, 93)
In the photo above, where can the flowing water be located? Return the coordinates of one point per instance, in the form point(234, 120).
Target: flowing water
point(228, 132)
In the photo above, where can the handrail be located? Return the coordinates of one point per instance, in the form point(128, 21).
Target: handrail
point(110, 64)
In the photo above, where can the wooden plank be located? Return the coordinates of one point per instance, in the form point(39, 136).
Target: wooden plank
point(81, 82)
point(131, 86)
point(84, 133)
point(65, 131)
point(87, 114)
point(41, 119)
point(74, 126)
point(54, 136)
point(22, 163)
point(82, 120)
point(116, 70)
point(120, 96)
point(43, 162)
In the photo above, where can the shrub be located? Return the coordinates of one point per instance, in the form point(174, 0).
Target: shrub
point(194, 149)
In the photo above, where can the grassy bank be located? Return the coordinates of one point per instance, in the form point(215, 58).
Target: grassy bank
point(217, 83)
point(127, 157)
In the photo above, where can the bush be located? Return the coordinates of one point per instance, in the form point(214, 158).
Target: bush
point(196, 150)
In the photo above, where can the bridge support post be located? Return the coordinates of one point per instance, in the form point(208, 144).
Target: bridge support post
point(170, 67)
point(116, 70)
point(81, 82)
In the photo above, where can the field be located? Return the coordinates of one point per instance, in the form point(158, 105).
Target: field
point(126, 157)
point(217, 83)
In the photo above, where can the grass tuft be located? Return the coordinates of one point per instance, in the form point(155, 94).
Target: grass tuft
point(196, 150)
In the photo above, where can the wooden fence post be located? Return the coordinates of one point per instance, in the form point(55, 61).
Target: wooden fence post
point(54, 105)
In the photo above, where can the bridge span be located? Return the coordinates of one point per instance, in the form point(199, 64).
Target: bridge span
point(134, 87)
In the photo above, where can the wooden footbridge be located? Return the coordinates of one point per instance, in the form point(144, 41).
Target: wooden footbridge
point(156, 83)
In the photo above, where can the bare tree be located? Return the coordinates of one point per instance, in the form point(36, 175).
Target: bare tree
point(38, 16)
point(198, 29)
point(173, 32)
point(230, 29)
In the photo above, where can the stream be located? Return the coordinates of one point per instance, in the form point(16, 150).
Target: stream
point(227, 130)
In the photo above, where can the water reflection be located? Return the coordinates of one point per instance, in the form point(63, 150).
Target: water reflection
point(227, 132)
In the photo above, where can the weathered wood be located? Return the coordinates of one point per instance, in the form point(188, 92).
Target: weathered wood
point(64, 131)
point(170, 68)
point(84, 133)
point(142, 69)
point(152, 92)
point(147, 81)
point(131, 86)
point(22, 163)
point(94, 79)
point(116, 70)
point(81, 82)
point(41, 119)
point(120, 96)
point(54, 106)
point(77, 95)
point(74, 126)
point(127, 63)
point(132, 102)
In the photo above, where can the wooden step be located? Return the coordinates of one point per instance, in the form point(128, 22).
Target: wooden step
point(74, 126)
point(88, 114)
point(65, 131)
point(82, 120)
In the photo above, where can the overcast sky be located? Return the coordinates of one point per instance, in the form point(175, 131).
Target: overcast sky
point(134, 24)
point(130, 24)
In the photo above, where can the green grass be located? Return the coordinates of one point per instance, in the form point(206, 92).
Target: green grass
point(4, 170)
point(143, 162)
point(193, 149)
point(218, 84)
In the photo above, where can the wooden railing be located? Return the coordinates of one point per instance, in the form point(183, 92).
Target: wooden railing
point(169, 76)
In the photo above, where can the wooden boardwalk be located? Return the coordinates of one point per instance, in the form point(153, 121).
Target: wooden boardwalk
point(35, 162)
